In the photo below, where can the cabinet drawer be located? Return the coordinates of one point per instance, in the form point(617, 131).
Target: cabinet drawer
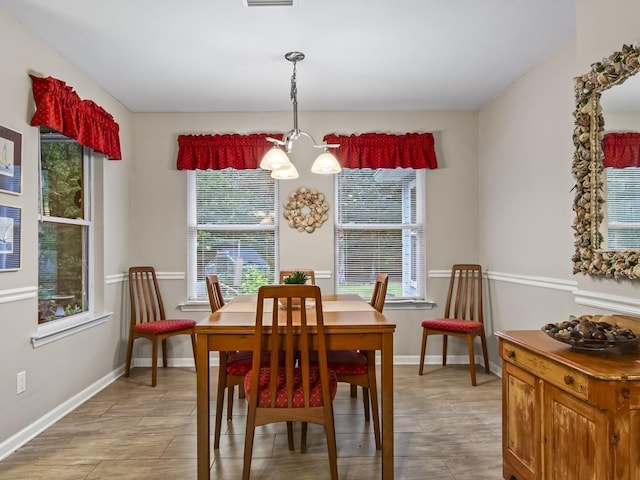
point(559, 375)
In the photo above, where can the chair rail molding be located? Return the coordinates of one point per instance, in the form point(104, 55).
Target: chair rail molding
point(616, 303)
point(17, 294)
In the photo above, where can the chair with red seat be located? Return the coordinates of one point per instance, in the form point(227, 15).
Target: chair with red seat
point(358, 368)
point(284, 391)
point(148, 319)
point(463, 317)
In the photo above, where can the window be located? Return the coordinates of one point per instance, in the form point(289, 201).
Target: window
point(65, 228)
point(380, 228)
point(623, 208)
point(232, 230)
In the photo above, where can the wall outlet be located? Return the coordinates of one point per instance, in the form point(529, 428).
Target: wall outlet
point(21, 381)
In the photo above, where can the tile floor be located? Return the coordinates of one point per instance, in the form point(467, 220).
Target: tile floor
point(445, 429)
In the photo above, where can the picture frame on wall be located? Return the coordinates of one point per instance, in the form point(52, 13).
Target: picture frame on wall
point(10, 161)
point(10, 224)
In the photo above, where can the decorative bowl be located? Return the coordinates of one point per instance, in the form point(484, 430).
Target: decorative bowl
point(582, 333)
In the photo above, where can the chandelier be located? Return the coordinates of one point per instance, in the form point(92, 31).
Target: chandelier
point(276, 158)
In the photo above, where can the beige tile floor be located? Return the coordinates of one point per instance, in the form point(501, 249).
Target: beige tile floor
point(445, 429)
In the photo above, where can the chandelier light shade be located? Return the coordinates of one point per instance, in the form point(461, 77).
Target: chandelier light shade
point(276, 158)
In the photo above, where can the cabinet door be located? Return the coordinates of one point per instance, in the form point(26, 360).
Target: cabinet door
point(521, 424)
point(576, 438)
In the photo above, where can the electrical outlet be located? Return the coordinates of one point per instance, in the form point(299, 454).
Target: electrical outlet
point(21, 381)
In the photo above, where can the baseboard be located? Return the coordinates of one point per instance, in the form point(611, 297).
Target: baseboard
point(26, 434)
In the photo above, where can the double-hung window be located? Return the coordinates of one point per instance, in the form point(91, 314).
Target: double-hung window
point(65, 228)
point(379, 227)
point(232, 230)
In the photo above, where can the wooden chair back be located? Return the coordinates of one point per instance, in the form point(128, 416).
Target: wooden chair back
point(380, 292)
point(214, 292)
point(309, 273)
point(464, 298)
point(146, 300)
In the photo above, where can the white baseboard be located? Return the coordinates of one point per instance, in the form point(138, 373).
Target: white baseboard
point(31, 431)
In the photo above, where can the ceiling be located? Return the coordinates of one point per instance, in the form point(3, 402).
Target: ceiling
point(223, 56)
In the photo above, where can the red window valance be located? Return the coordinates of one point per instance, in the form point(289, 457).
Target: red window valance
point(59, 107)
point(381, 150)
point(220, 151)
point(621, 150)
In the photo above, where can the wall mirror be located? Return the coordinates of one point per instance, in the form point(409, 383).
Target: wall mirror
point(591, 253)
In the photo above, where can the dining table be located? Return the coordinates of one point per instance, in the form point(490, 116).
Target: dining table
point(350, 323)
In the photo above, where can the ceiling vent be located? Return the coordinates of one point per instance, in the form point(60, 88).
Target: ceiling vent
point(268, 3)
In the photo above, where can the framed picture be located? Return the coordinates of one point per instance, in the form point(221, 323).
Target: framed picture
point(10, 161)
point(9, 238)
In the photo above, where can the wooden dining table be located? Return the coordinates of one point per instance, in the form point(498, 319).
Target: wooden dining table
point(350, 324)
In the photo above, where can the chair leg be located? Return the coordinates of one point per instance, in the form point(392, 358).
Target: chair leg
point(303, 445)
point(373, 393)
point(423, 350)
point(230, 390)
point(248, 443)
point(472, 360)
point(164, 353)
point(154, 361)
point(445, 339)
point(365, 403)
point(241, 390)
point(354, 391)
point(222, 381)
point(127, 366)
point(303, 438)
point(485, 353)
point(193, 347)
point(330, 432)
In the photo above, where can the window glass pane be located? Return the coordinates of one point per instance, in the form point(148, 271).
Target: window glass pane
point(623, 208)
point(379, 228)
point(62, 178)
point(61, 270)
point(235, 234)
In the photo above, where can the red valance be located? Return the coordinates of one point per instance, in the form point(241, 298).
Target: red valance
point(381, 150)
point(621, 150)
point(220, 151)
point(59, 107)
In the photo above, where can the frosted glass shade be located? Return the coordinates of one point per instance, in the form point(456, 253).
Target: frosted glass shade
point(326, 163)
point(287, 173)
point(275, 159)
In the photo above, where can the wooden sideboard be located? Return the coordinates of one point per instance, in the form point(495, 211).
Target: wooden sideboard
point(568, 414)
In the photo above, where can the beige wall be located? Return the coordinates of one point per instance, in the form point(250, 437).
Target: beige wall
point(60, 370)
point(160, 196)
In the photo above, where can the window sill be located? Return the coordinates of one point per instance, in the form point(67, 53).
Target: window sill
point(65, 327)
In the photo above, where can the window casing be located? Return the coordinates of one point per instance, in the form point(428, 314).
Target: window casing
point(232, 230)
point(623, 208)
point(379, 227)
point(65, 228)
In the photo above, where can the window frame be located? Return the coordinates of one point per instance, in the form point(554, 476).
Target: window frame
point(62, 327)
point(419, 283)
point(192, 236)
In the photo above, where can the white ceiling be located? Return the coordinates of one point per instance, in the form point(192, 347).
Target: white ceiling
point(220, 55)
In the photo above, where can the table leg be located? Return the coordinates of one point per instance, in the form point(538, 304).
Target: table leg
point(387, 406)
point(202, 405)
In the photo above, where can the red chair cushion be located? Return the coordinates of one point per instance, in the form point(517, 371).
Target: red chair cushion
point(239, 363)
point(347, 362)
point(454, 324)
point(315, 397)
point(164, 326)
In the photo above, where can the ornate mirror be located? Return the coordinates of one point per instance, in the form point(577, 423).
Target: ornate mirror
point(591, 255)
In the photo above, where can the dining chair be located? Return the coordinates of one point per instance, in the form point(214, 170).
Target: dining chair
point(311, 275)
point(284, 391)
point(148, 319)
point(358, 368)
point(463, 317)
point(233, 365)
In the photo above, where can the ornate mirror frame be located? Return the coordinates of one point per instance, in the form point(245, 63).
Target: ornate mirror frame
point(589, 257)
